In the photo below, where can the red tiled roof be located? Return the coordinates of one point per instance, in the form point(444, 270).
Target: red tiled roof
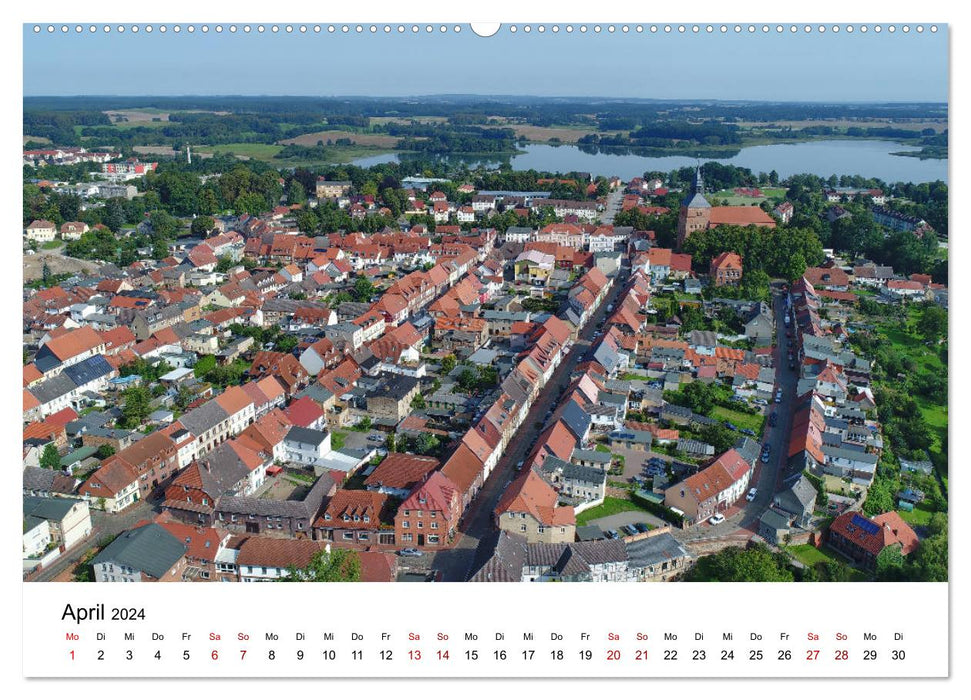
point(401, 471)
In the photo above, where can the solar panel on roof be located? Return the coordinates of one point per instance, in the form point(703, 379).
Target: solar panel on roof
point(868, 527)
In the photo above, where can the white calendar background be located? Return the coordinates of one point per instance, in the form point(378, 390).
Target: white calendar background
point(486, 630)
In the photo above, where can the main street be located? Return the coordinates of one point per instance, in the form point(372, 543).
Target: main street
point(455, 563)
point(768, 477)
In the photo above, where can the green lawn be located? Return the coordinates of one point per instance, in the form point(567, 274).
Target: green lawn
point(610, 506)
point(920, 515)
point(51, 245)
point(337, 438)
point(808, 554)
point(742, 420)
point(634, 377)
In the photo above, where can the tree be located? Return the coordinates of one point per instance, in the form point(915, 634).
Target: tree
point(296, 194)
point(50, 459)
point(202, 225)
point(136, 407)
point(755, 563)
point(929, 562)
point(328, 566)
point(418, 402)
point(363, 289)
point(204, 366)
point(448, 364)
point(104, 451)
point(225, 264)
point(932, 323)
point(114, 216)
point(890, 564)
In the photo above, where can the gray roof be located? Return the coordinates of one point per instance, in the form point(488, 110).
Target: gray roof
point(316, 392)
point(654, 550)
point(53, 388)
point(586, 533)
point(221, 470)
point(307, 436)
point(150, 549)
point(203, 418)
point(748, 449)
point(48, 508)
point(853, 455)
point(396, 386)
point(707, 339)
point(775, 520)
point(576, 419)
point(697, 201)
point(591, 456)
point(38, 478)
point(797, 498)
point(499, 558)
point(307, 508)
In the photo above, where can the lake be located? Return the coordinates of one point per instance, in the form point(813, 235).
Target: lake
point(823, 158)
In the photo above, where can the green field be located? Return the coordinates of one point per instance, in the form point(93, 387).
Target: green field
point(258, 151)
point(610, 506)
point(809, 555)
point(742, 420)
point(920, 515)
point(267, 151)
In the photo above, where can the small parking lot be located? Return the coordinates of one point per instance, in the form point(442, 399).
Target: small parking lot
point(629, 517)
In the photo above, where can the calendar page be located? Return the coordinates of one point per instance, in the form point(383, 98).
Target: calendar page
point(548, 349)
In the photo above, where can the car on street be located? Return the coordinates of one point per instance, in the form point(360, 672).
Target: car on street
point(765, 458)
point(409, 552)
point(752, 493)
point(778, 398)
point(519, 464)
point(772, 419)
point(716, 519)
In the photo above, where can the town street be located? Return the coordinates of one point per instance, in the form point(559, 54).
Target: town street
point(103, 527)
point(743, 521)
point(455, 562)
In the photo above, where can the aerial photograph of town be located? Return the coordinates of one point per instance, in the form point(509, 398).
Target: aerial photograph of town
point(371, 306)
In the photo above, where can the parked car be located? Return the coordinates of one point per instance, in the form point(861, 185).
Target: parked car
point(716, 519)
point(730, 425)
point(772, 420)
point(409, 552)
point(641, 527)
point(752, 493)
point(612, 534)
point(747, 431)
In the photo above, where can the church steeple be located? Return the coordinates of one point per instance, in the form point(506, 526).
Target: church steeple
point(695, 210)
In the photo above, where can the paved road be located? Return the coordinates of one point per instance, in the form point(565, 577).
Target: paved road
point(455, 563)
point(768, 477)
point(103, 525)
point(612, 207)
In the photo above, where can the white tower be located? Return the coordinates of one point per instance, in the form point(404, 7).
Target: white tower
point(188, 154)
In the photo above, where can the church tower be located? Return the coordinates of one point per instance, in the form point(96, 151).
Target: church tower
point(695, 211)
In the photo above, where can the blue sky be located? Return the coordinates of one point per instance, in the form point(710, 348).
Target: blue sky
point(788, 67)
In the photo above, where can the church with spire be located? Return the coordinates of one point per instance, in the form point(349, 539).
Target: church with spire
point(697, 214)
